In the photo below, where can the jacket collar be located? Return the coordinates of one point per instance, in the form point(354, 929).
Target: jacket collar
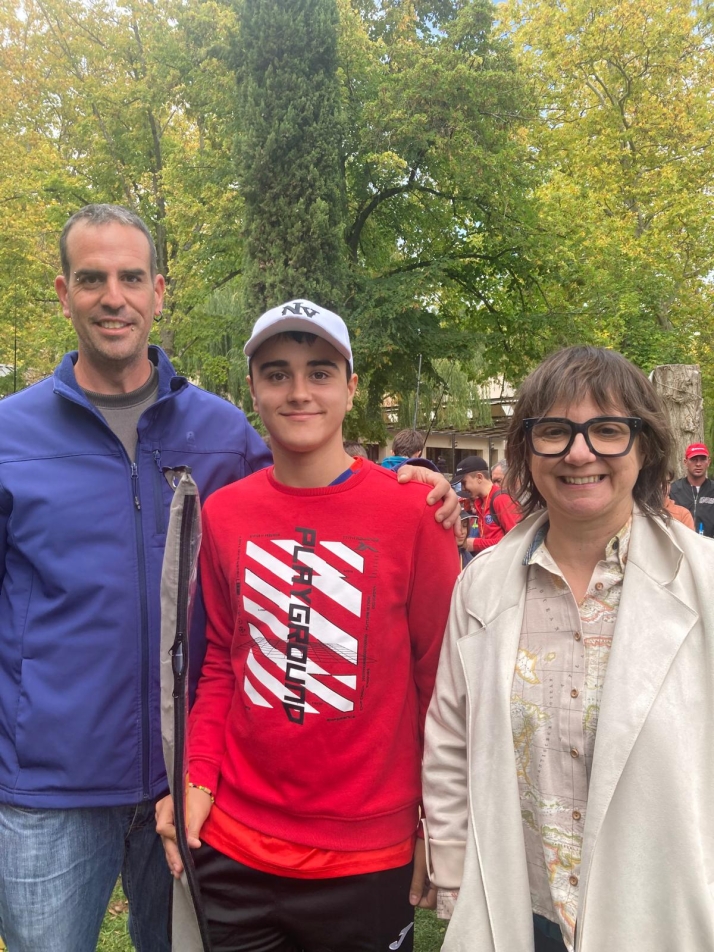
point(65, 382)
point(509, 555)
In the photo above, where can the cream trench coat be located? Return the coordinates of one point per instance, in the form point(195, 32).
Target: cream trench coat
point(647, 873)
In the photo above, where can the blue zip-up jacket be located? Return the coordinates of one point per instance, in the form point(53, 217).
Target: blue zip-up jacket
point(82, 534)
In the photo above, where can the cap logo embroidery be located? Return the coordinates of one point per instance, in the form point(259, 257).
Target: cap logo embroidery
point(297, 309)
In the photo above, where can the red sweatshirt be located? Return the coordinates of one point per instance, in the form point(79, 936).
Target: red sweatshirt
point(325, 614)
point(508, 515)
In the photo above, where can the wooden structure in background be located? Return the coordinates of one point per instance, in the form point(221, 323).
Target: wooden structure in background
point(680, 386)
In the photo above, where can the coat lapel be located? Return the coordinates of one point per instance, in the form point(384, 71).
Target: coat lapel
point(488, 655)
point(652, 623)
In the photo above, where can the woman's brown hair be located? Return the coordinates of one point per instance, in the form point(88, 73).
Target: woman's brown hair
point(615, 385)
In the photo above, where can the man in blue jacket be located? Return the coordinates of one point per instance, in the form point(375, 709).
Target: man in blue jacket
point(83, 513)
point(84, 503)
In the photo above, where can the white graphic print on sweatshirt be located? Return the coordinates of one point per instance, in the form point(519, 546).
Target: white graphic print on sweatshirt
point(298, 657)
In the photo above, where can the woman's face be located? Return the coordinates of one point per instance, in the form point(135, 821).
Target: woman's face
point(581, 487)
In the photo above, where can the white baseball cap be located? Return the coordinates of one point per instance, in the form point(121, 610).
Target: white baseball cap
point(301, 315)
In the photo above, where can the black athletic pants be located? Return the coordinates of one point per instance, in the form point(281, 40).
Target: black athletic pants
point(548, 937)
point(252, 911)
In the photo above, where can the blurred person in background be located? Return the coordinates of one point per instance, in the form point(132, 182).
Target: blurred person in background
point(353, 448)
point(677, 512)
point(496, 512)
point(498, 473)
point(568, 764)
point(466, 528)
point(695, 491)
point(406, 445)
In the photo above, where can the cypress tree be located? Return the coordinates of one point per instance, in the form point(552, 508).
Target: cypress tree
point(289, 154)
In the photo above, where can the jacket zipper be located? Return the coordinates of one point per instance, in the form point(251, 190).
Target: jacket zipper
point(158, 494)
point(144, 614)
point(143, 594)
point(695, 498)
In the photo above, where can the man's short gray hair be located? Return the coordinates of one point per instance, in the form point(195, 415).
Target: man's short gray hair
point(503, 466)
point(105, 215)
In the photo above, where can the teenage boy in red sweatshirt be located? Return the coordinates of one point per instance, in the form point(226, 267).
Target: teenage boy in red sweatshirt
point(327, 587)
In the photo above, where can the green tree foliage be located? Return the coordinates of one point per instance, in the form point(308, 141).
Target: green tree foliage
point(624, 136)
point(114, 102)
point(453, 400)
point(473, 192)
point(289, 162)
point(437, 182)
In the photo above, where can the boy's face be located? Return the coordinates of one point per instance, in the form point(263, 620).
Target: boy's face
point(473, 483)
point(301, 392)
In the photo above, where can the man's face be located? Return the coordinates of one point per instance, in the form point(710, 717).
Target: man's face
point(110, 295)
point(301, 392)
point(697, 466)
point(497, 476)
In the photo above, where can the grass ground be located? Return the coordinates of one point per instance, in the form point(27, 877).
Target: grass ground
point(429, 932)
point(114, 936)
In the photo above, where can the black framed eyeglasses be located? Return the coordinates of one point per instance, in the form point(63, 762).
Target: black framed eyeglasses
point(604, 435)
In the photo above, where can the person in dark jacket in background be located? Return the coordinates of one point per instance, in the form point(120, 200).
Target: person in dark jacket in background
point(84, 504)
point(695, 491)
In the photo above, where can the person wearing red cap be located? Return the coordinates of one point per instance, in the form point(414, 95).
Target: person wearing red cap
point(695, 491)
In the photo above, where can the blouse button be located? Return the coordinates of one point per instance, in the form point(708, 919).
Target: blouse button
point(574, 753)
point(577, 636)
point(577, 815)
point(573, 880)
point(574, 692)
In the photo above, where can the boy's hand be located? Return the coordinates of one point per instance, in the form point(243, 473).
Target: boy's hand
point(199, 806)
point(448, 512)
point(421, 892)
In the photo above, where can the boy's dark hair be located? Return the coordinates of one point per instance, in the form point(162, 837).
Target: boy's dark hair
point(105, 215)
point(300, 337)
point(408, 443)
point(613, 383)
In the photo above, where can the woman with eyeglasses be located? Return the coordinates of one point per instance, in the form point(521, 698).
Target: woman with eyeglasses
point(569, 761)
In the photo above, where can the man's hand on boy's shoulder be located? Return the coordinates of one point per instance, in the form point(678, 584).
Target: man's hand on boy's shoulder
point(448, 513)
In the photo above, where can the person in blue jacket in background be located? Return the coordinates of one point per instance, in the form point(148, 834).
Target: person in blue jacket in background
point(84, 502)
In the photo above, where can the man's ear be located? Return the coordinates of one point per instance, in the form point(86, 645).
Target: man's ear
point(159, 289)
point(62, 292)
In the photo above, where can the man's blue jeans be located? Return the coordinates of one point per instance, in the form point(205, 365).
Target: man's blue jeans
point(58, 869)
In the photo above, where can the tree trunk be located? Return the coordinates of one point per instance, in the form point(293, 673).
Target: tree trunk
point(680, 386)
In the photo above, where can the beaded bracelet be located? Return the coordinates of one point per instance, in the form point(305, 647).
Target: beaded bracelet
point(197, 786)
